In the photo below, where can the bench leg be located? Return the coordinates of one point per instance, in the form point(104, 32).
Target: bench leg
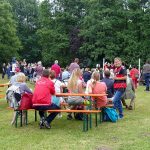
point(35, 115)
point(90, 122)
point(26, 117)
point(96, 119)
point(85, 122)
point(16, 119)
point(21, 118)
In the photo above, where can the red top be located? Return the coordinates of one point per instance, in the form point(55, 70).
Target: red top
point(133, 73)
point(100, 88)
point(44, 88)
point(57, 69)
point(119, 73)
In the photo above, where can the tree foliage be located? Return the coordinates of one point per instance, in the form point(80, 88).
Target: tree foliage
point(9, 42)
point(88, 29)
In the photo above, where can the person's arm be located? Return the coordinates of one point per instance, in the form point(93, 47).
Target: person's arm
point(80, 87)
point(52, 88)
point(26, 89)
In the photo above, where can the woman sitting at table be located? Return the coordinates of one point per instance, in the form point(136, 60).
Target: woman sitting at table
point(97, 87)
point(75, 86)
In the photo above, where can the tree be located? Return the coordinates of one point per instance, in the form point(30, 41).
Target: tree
point(26, 15)
point(9, 42)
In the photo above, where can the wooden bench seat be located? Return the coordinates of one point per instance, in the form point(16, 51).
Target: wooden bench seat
point(87, 117)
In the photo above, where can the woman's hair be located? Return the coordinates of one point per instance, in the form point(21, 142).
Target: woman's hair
point(21, 77)
point(95, 76)
point(72, 82)
point(118, 58)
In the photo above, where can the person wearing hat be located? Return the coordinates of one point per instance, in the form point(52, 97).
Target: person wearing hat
point(56, 68)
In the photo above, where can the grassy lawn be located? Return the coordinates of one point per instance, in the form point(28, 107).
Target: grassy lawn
point(131, 133)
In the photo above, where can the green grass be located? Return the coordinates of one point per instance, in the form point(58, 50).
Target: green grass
point(131, 133)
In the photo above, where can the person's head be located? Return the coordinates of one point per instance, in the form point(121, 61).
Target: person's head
point(76, 60)
point(17, 70)
point(56, 61)
point(39, 63)
point(46, 73)
point(72, 82)
point(107, 73)
point(21, 77)
point(117, 62)
point(96, 75)
point(52, 74)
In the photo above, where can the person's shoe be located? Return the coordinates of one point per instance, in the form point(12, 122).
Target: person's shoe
point(47, 125)
point(130, 108)
point(41, 124)
point(59, 115)
point(69, 117)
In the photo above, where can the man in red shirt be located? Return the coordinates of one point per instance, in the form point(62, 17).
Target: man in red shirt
point(119, 85)
point(42, 98)
point(134, 73)
point(56, 68)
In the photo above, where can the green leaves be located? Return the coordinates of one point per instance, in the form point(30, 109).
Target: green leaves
point(9, 42)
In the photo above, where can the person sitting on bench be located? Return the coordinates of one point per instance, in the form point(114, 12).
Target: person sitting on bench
point(44, 89)
point(75, 86)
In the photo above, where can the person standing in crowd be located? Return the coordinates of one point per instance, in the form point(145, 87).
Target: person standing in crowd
point(129, 93)
point(56, 68)
point(119, 85)
point(8, 70)
point(86, 75)
point(146, 72)
point(3, 70)
point(109, 83)
point(74, 65)
point(134, 74)
point(39, 70)
point(42, 99)
point(65, 74)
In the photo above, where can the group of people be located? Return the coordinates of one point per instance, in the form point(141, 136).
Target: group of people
point(118, 87)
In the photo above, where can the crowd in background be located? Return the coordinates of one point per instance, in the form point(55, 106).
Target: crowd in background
point(114, 79)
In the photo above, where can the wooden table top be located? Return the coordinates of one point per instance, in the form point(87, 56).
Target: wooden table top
point(4, 84)
point(80, 94)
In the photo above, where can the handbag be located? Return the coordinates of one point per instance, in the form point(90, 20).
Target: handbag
point(26, 101)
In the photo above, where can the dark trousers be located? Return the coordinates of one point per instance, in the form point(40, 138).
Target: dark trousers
point(51, 116)
point(147, 79)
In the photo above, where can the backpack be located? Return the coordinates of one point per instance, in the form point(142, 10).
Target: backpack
point(13, 96)
point(79, 116)
point(110, 114)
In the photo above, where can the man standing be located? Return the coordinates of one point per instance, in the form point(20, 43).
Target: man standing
point(42, 98)
point(146, 72)
point(134, 74)
point(119, 85)
point(56, 68)
point(74, 65)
